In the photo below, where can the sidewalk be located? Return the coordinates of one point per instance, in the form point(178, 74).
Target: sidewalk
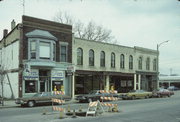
point(9, 104)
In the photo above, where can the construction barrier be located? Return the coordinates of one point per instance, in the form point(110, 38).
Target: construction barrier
point(110, 105)
point(94, 108)
point(58, 101)
point(59, 92)
point(58, 109)
point(108, 91)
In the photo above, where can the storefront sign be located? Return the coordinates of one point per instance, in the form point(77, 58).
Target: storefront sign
point(57, 75)
point(32, 75)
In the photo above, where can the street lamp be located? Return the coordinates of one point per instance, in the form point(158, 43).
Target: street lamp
point(158, 45)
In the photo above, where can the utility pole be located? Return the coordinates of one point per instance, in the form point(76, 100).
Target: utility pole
point(158, 45)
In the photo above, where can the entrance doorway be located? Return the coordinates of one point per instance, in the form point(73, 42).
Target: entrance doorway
point(45, 80)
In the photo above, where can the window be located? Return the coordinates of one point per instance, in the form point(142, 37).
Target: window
point(54, 52)
point(130, 62)
point(122, 61)
point(63, 52)
point(33, 50)
point(154, 64)
point(30, 86)
point(79, 56)
point(148, 64)
point(91, 57)
point(112, 60)
point(44, 50)
point(140, 63)
point(102, 59)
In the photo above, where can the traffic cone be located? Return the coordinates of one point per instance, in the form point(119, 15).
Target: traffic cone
point(109, 110)
point(44, 111)
point(68, 109)
point(74, 114)
point(80, 108)
point(61, 114)
point(115, 109)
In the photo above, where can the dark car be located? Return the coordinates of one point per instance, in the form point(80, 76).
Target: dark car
point(94, 96)
point(40, 98)
point(162, 93)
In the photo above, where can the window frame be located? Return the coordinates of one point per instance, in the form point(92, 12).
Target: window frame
point(140, 63)
point(64, 54)
point(79, 57)
point(91, 57)
point(148, 63)
point(122, 61)
point(113, 60)
point(130, 62)
point(102, 59)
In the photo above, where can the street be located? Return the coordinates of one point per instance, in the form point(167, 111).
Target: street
point(141, 110)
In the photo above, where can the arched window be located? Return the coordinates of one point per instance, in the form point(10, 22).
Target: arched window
point(122, 60)
point(140, 63)
point(154, 64)
point(79, 56)
point(102, 59)
point(91, 57)
point(148, 64)
point(112, 60)
point(130, 62)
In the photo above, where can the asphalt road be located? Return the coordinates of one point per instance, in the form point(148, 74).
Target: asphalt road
point(141, 110)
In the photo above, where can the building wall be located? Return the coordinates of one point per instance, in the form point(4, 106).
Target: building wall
point(9, 59)
point(136, 52)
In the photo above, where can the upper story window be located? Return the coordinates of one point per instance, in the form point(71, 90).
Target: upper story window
point(102, 59)
point(148, 64)
point(54, 52)
point(122, 61)
point(140, 63)
point(79, 56)
point(63, 53)
point(112, 60)
point(154, 64)
point(91, 57)
point(41, 45)
point(130, 62)
point(44, 50)
point(33, 49)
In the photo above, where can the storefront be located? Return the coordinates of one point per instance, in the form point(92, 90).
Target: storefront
point(42, 80)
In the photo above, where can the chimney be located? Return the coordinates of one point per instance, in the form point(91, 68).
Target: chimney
point(13, 24)
point(5, 32)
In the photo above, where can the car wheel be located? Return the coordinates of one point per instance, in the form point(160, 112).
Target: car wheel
point(146, 97)
point(31, 103)
point(133, 97)
point(89, 100)
point(158, 95)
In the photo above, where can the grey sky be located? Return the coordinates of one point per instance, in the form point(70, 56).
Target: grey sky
point(144, 23)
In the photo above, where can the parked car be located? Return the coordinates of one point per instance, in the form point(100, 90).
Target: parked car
point(173, 88)
point(134, 94)
point(162, 93)
point(94, 95)
point(40, 98)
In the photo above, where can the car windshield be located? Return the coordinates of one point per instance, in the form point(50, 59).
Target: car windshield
point(93, 92)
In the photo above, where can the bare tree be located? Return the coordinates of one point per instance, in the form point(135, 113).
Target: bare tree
point(91, 31)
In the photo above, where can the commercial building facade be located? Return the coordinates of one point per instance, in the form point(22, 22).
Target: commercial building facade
point(38, 55)
point(109, 66)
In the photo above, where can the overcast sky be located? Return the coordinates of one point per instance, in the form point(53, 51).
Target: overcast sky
point(143, 23)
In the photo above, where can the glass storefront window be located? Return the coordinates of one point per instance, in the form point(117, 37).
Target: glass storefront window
point(30, 86)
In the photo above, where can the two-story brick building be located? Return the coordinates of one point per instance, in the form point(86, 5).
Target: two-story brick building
point(36, 55)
